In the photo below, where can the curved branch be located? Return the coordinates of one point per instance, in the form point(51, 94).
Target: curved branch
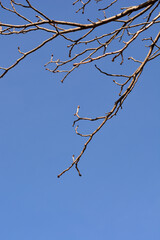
point(118, 103)
point(87, 44)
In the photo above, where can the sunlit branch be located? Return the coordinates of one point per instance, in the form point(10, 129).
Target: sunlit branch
point(85, 45)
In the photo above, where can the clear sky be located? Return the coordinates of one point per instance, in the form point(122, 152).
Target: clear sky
point(118, 195)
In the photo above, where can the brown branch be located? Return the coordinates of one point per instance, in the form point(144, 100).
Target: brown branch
point(118, 103)
point(26, 54)
point(87, 45)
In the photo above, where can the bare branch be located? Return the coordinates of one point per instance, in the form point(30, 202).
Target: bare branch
point(87, 44)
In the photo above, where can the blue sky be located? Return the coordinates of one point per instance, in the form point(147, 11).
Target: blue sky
point(118, 195)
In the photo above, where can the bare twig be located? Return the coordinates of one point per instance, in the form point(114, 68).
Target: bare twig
point(86, 44)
